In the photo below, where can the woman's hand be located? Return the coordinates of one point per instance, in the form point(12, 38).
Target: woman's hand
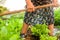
point(30, 8)
point(56, 4)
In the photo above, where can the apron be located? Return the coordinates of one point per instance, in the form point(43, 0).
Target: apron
point(40, 16)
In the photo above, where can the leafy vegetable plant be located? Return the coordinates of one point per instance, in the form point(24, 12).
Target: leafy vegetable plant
point(42, 31)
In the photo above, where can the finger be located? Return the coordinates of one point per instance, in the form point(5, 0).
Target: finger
point(33, 9)
point(29, 10)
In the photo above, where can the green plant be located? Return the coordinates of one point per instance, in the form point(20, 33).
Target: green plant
point(10, 28)
point(42, 31)
point(57, 15)
point(2, 9)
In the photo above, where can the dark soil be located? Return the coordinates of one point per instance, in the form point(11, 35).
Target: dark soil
point(32, 37)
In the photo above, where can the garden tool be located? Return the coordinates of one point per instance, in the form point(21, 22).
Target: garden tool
point(16, 11)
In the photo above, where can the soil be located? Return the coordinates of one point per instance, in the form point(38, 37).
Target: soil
point(32, 37)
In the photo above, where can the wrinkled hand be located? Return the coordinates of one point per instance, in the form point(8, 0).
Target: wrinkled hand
point(56, 4)
point(30, 8)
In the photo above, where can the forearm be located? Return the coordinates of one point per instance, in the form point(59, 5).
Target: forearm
point(28, 2)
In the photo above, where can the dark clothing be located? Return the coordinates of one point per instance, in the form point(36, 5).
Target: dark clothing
point(41, 2)
point(40, 16)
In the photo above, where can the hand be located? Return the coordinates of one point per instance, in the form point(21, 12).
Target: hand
point(56, 4)
point(30, 8)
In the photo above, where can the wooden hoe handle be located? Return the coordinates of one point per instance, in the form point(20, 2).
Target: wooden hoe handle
point(13, 12)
